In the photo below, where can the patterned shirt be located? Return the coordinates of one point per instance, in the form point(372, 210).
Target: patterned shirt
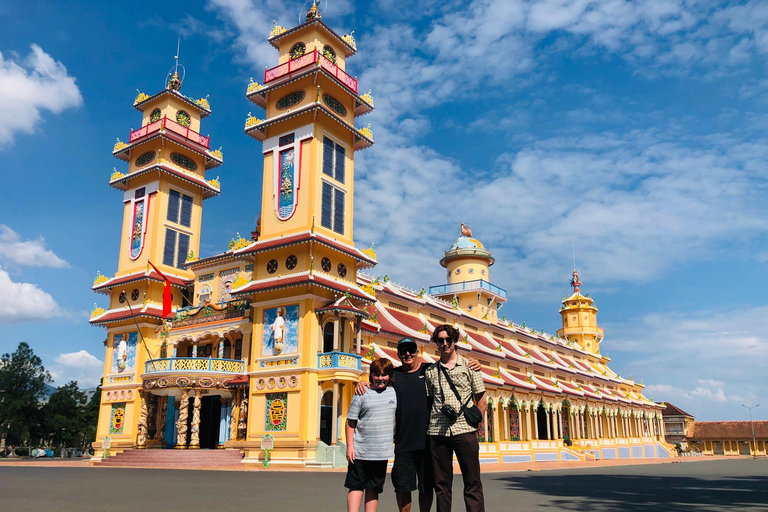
point(468, 383)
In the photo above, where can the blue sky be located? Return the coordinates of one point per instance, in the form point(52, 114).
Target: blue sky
point(632, 131)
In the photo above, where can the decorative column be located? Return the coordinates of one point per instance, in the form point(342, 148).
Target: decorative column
point(535, 414)
point(181, 423)
point(163, 417)
point(194, 443)
point(233, 416)
point(141, 437)
point(556, 424)
point(485, 424)
point(359, 338)
point(319, 407)
point(528, 428)
point(335, 331)
point(549, 428)
point(335, 402)
point(520, 422)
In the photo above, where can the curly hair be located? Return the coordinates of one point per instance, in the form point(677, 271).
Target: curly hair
point(453, 333)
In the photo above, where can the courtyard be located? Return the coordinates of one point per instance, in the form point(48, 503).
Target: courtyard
point(702, 485)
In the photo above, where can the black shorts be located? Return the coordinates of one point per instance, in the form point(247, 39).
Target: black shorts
point(411, 467)
point(366, 474)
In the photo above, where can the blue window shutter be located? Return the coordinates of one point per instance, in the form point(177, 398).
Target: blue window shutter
point(183, 250)
point(174, 196)
point(338, 214)
point(186, 210)
point(328, 145)
point(326, 213)
point(340, 161)
point(169, 249)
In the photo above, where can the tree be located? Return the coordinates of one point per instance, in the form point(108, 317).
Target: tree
point(91, 418)
point(64, 415)
point(22, 384)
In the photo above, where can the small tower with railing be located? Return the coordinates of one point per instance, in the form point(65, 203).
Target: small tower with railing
point(579, 315)
point(468, 263)
point(163, 184)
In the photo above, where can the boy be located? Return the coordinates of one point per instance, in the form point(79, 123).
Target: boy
point(369, 430)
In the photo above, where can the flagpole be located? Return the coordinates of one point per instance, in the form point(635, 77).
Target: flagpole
point(124, 294)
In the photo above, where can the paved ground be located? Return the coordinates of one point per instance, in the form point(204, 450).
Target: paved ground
point(706, 485)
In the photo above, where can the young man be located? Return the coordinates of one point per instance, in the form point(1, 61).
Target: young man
point(449, 431)
point(370, 423)
point(412, 469)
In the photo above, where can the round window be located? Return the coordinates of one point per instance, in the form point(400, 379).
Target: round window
point(335, 104)
point(122, 298)
point(289, 100)
point(183, 118)
point(458, 271)
point(291, 261)
point(135, 294)
point(342, 270)
point(272, 266)
point(471, 271)
point(155, 116)
point(183, 161)
point(298, 50)
point(325, 263)
point(145, 158)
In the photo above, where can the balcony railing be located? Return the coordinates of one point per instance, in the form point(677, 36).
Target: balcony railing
point(305, 61)
point(172, 126)
point(195, 365)
point(467, 286)
point(338, 360)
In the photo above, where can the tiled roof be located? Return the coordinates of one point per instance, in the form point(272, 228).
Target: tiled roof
point(115, 315)
point(343, 304)
point(673, 410)
point(300, 279)
point(208, 189)
point(716, 430)
point(107, 285)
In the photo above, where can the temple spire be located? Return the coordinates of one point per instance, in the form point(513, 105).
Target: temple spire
point(575, 281)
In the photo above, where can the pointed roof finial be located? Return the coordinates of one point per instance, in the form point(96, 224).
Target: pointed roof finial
point(575, 281)
point(175, 81)
point(313, 13)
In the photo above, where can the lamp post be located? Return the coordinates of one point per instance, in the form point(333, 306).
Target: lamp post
point(754, 441)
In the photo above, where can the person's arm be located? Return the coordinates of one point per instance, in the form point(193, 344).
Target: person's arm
point(482, 402)
point(349, 431)
point(474, 365)
point(361, 387)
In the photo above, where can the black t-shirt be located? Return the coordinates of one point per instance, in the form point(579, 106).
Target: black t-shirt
point(412, 409)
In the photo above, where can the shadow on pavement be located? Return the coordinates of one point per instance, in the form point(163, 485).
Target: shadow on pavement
point(632, 493)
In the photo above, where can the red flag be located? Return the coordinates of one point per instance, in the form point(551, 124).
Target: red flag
point(166, 292)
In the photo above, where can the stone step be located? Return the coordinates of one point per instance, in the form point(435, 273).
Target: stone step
point(175, 458)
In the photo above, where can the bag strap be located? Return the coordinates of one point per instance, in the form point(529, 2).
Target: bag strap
point(453, 387)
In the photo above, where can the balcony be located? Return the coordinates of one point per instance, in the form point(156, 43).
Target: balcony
point(307, 61)
point(195, 365)
point(338, 361)
point(171, 126)
point(467, 286)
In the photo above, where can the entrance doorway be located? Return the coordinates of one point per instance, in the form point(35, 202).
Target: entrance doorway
point(541, 420)
point(210, 418)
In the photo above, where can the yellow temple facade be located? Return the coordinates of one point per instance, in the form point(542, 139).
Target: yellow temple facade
point(270, 336)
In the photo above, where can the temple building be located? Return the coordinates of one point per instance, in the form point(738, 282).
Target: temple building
point(270, 335)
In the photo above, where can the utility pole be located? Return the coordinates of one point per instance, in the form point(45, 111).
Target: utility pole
point(754, 441)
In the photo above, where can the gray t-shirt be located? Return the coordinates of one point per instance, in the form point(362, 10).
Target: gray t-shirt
point(375, 415)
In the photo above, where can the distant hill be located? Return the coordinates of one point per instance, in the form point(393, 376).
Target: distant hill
point(49, 390)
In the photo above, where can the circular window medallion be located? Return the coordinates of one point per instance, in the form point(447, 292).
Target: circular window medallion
point(471, 271)
point(342, 269)
point(335, 104)
point(182, 118)
point(122, 298)
point(293, 381)
point(183, 161)
point(458, 271)
point(282, 382)
point(326, 264)
point(272, 266)
point(298, 50)
point(135, 294)
point(155, 116)
point(289, 100)
point(482, 272)
point(145, 158)
point(291, 261)
point(271, 383)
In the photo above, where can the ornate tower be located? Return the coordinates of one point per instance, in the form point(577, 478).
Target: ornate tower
point(580, 319)
point(163, 188)
point(468, 264)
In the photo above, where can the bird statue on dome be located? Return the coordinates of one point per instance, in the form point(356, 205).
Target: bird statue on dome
point(465, 231)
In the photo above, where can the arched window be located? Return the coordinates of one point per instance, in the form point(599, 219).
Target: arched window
point(328, 337)
point(227, 350)
point(329, 53)
point(298, 50)
point(238, 349)
point(205, 294)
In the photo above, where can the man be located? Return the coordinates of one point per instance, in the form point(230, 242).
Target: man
point(412, 469)
point(449, 430)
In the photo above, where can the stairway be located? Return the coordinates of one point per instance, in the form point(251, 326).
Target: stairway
point(176, 459)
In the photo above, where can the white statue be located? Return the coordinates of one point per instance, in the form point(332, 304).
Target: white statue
point(278, 331)
point(122, 352)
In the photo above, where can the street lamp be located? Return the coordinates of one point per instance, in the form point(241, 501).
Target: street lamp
point(754, 441)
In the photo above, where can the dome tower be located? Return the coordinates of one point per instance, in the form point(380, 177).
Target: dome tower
point(580, 319)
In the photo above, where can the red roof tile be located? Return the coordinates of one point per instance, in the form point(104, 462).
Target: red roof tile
point(107, 285)
point(673, 410)
point(716, 430)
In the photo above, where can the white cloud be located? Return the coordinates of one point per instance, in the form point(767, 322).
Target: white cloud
point(28, 87)
point(80, 366)
point(20, 302)
point(28, 252)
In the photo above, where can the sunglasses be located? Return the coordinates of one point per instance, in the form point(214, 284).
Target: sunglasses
point(441, 341)
point(407, 351)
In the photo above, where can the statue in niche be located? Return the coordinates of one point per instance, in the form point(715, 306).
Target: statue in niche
point(242, 425)
point(122, 352)
point(278, 331)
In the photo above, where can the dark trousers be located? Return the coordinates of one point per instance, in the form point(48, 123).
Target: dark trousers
point(467, 451)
